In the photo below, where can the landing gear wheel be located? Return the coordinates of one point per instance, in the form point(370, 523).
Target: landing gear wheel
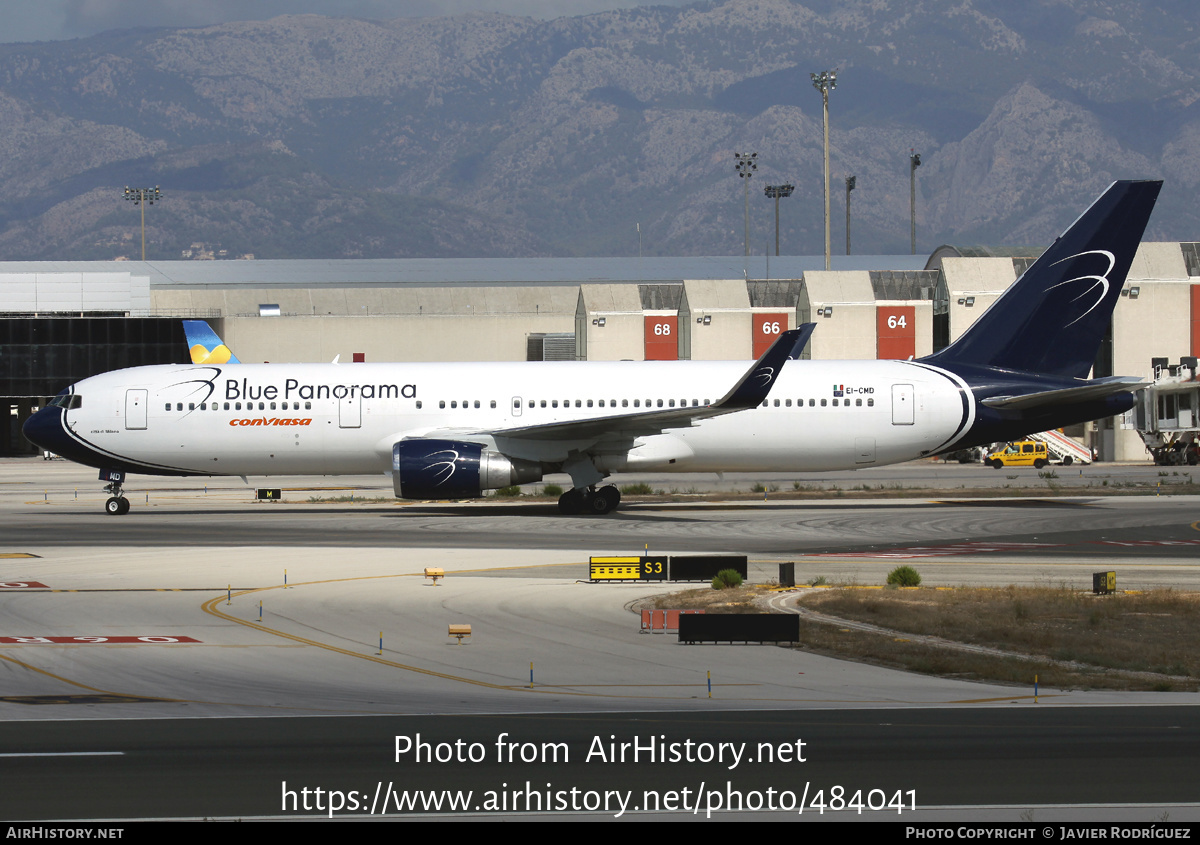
point(571, 502)
point(117, 506)
point(604, 500)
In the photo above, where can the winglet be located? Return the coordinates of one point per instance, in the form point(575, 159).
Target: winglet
point(204, 345)
point(754, 386)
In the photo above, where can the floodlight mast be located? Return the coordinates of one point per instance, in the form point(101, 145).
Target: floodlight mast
point(825, 81)
point(775, 192)
point(747, 163)
point(142, 197)
point(914, 161)
point(851, 184)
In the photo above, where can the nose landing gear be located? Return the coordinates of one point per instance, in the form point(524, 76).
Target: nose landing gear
point(117, 504)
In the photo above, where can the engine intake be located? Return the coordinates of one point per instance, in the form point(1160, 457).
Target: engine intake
point(452, 469)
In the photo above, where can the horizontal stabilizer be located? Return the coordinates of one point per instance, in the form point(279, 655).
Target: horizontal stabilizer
point(1094, 389)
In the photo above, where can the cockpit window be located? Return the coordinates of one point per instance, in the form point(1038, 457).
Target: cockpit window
point(70, 401)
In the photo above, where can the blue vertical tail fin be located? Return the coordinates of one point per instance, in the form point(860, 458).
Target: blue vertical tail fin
point(1053, 318)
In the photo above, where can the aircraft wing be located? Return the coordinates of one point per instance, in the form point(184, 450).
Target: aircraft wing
point(749, 392)
point(1094, 389)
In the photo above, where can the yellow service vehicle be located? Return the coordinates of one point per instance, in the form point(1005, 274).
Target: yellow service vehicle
point(1022, 453)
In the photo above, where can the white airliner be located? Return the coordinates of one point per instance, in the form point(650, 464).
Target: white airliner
point(456, 430)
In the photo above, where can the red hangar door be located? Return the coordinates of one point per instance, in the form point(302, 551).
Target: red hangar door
point(896, 332)
point(766, 329)
point(662, 338)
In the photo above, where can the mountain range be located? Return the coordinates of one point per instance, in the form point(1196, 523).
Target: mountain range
point(494, 135)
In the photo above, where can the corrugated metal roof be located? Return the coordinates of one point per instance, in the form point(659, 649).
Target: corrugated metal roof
point(1191, 257)
point(784, 293)
point(661, 297)
point(434, 272)
point(915, 284)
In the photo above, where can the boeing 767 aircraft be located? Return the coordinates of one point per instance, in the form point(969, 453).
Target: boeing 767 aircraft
point(447, 431)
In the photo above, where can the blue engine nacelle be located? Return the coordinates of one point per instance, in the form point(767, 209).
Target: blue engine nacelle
point(451, 469)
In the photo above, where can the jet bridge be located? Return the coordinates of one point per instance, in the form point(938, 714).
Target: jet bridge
point(1167, 413)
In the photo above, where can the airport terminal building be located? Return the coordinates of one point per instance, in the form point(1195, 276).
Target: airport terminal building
point(64, 321)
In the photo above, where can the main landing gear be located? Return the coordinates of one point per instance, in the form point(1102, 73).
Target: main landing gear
point(590, 500)
point(117, 504)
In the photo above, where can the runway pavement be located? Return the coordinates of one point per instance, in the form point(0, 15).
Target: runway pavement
point(181, 610)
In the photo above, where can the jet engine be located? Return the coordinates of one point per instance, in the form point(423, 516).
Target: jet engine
point(452, 469)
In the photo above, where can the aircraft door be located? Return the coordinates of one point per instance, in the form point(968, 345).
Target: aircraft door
point(902, 404)
point(350, 412)
point(135, 408)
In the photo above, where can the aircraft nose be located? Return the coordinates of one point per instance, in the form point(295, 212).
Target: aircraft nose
point(44, 429)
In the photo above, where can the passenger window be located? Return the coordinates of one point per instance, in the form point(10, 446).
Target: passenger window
point(493, 404)
point(441, 403)
point(824, 402)
point(168, 406)
point(418, 404)
point(870, 403)
point(476, 403)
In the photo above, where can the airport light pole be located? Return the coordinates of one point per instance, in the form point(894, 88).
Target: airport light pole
point(851, 184)
point(914, 161)
point(747, 163)
point(142, 197)
point(825, 81)
point(775, 192)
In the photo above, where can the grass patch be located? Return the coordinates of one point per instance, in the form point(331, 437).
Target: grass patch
point(325, 500)
point(1145, 641)
point(743, 599)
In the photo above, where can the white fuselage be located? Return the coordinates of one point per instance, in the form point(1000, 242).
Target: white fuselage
point(299, 419)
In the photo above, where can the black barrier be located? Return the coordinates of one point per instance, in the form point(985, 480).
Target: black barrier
point(787, 574)
point(706, 567)
point(739, 627)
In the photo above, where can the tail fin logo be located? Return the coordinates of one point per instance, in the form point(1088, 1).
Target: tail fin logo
point(1099, 283)
point(218, 355)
